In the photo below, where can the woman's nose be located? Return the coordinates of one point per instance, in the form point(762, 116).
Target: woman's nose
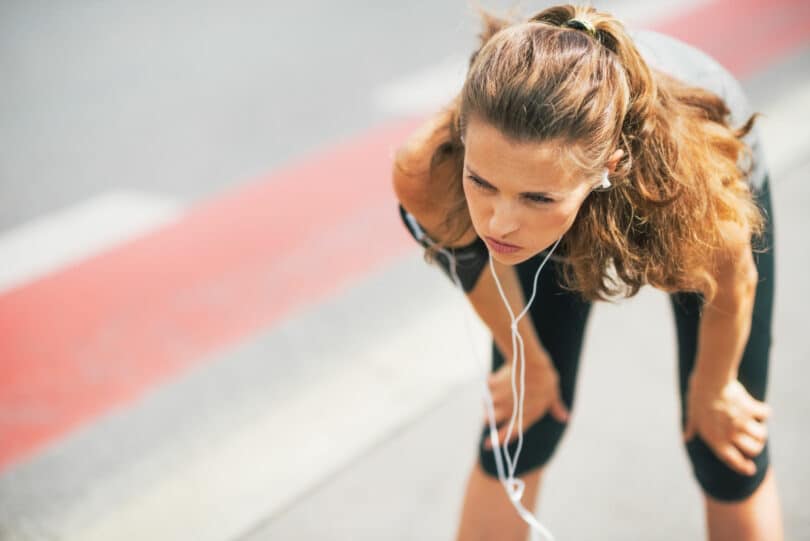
point(504, 219)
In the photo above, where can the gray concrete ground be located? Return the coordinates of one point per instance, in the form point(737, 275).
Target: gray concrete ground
point(261, 442)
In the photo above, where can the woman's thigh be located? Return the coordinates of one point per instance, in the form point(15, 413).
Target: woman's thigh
point(715, 477)
point(559, 317)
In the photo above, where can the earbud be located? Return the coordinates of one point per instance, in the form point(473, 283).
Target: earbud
point(605, 184)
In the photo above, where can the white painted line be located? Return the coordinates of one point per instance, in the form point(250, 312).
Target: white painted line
point(423, 91)
point(430, 88)
point(44, 245)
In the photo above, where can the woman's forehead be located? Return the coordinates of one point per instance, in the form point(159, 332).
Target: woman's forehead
point(519, 166)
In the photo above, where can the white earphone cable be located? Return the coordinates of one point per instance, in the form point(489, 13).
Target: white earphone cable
point(513, 486)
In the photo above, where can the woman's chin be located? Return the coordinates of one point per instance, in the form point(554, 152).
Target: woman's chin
point(515, 258)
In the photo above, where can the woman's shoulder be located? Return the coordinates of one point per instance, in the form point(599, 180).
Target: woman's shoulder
point(427, 167)
point(415, 165)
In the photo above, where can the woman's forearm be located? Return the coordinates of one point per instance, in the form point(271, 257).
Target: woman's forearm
point(726, 321)
point(724, 329)
point(721, 341)
point(487, 302)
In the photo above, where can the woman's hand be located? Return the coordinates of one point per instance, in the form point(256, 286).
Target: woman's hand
point(729, 420)
point(542, 394)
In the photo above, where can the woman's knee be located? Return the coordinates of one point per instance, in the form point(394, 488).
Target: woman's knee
point(539, 444)
point(717, 479)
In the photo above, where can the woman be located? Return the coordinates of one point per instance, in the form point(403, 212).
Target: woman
point(635, 157)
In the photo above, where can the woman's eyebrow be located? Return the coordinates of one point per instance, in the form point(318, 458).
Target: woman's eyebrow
point(543, 194)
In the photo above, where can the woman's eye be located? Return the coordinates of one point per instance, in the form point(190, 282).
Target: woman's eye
point(539, 199)
point(479, 183)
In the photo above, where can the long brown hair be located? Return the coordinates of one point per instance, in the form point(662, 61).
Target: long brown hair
point(682, 172)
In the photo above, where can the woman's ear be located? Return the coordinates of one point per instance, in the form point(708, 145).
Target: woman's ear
point(613, 161)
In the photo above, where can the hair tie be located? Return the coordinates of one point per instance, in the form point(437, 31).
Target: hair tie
point(579, 24)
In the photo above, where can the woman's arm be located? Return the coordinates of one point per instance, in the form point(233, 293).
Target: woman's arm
point(726, 320)
point(487, 302)
point(719, 408)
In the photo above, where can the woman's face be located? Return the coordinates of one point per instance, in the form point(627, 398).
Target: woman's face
point(523, 194)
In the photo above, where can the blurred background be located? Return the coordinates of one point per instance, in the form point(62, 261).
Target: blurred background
point(214, 327)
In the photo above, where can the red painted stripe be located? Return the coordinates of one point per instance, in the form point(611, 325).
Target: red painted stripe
point(96, 335)
point(743, 35)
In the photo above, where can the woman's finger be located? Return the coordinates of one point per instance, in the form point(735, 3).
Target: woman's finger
point(502, 374)
point(735, 459)
point(502, 433)
point(501, 391)
point(560, 411)
point(494, 386)
point(499, 397)
point(488, 440)
point(496, 412)
point(759, 410)
point(755, 429)
point(748, 445)
point(503, 412)
point(501, 436)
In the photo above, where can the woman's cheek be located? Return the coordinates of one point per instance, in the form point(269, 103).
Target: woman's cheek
point(474, 205)
point(564, 215)
point(553, 219)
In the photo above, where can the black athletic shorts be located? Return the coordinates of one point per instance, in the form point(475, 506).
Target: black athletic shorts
point(560, 317)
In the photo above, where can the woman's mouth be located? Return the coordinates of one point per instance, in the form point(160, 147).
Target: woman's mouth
point(501, 247)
